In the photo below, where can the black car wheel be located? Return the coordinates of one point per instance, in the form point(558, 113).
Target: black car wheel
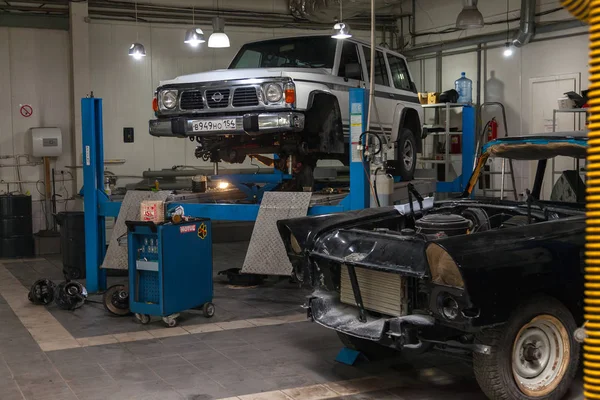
point(533, 356)
point(406, 154)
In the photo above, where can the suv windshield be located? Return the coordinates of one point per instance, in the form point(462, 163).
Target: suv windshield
point(304, 52)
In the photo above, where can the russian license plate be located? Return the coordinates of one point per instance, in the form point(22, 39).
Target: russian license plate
point(209, 125)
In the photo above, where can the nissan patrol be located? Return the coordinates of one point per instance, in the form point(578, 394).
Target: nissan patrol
point(290, 97)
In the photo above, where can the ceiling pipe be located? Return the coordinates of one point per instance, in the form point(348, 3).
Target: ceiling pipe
point(490, 37)
point(527, 24)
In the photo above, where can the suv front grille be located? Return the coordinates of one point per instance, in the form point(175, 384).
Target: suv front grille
point(191, 100)
point(217, 98)
point(245, 97)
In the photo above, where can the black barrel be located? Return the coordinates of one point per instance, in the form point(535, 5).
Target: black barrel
point(16, 226)
point(72, 243)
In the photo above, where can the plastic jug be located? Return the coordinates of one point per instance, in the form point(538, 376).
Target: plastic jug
point(464, 87)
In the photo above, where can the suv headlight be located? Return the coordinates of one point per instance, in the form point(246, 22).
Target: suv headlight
point(444, 270)
point(168, 99)
point(273, 92)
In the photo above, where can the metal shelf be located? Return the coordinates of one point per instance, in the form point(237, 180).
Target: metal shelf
point(442, 122)
point(571, 110)
point(444, 133)
point(453, 157)
point(444, 105)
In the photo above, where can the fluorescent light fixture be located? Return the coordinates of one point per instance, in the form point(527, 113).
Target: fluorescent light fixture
point(469, 17)
point(194, 37)
point(508, 51)
point(137, 51)
point(219, 38)
point(341, 31)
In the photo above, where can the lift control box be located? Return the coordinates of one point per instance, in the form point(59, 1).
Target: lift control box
point(170, 268)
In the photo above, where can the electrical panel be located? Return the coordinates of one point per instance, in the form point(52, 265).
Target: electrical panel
point(46, 142)
point(128, 135)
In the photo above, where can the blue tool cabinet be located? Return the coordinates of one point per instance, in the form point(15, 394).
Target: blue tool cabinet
point(170, 269)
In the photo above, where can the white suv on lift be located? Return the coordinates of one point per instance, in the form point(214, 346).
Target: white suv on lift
point(290, 97)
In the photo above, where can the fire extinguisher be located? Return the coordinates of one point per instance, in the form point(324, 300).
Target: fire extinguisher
point(492, 133)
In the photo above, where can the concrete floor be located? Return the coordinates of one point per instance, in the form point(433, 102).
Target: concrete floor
point(257, 347)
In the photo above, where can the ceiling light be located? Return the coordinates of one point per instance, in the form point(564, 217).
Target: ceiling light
point(194, 37)
point(508, 51)
point(469, 17)
point(340, 29)
point(137, 51)
point(219, 38)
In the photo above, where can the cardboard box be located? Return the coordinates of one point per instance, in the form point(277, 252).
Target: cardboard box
point(152, 210)
point(423, 97)
point(433, 97)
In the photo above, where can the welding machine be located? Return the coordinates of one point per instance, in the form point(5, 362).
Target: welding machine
point(170, 268)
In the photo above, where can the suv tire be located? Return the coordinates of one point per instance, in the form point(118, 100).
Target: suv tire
point(406, 154)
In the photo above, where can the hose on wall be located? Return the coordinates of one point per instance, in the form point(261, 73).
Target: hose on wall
point(579, 8)
point(589, 11)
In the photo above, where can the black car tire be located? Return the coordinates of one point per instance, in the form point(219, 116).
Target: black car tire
point(496, 372)
point(406, 143)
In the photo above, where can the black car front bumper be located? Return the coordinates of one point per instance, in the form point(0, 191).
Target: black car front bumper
point(326, 309)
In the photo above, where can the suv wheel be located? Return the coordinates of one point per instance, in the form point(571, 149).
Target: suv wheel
point(406, 154)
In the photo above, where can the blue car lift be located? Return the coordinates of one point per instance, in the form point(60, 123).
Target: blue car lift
point(98, 206)
point(459, 184)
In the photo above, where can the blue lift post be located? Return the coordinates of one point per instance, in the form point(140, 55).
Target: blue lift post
point(93, 178)
point(359, 170)
point(468, 141)
point(98, 206)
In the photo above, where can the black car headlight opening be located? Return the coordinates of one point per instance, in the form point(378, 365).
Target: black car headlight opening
point(448, 307)
point(444, 271)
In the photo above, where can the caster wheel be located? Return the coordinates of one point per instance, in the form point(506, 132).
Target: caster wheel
point(143, 318)
point(170, 322)
point(208, 310)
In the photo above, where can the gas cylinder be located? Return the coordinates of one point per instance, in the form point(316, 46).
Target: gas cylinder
point(385, 188)
point(492, 130)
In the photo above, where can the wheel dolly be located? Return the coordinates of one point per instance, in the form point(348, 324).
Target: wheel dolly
point(170, 269)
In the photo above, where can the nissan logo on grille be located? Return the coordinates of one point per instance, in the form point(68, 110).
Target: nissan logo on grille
point(217, 97)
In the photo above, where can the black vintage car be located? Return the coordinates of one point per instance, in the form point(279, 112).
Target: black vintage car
point(500, 279)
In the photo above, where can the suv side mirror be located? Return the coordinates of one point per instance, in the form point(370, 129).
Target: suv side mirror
point(353, 71)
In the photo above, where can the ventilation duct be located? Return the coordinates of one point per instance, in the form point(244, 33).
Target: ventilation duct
point(527, 25)
point(328, 10)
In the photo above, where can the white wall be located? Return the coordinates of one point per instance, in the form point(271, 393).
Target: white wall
point(508, 79)
point(35, 70)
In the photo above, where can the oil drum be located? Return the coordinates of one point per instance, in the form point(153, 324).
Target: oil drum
point(16, 226)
